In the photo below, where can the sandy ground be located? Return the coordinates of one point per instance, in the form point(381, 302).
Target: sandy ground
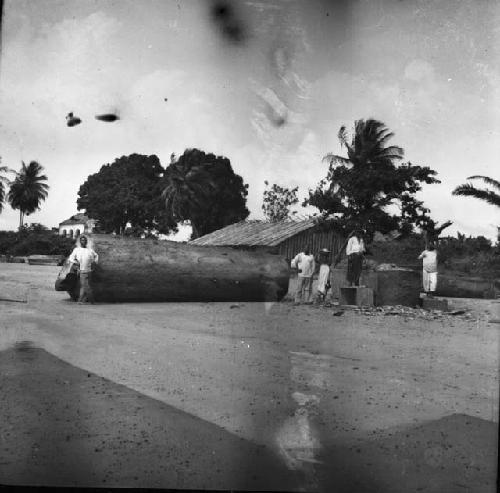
point(242, 396)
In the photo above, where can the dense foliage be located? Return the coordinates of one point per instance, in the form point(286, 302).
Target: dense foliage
point(359, 188)
point(28, 190)
point(34, 240)
point(127, 191)
point(204, 190)
point(277, 202)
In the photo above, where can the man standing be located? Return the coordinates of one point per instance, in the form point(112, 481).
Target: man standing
point(85, 258)
point(429, 261)
point(324, 274)
point(354, 251)
point(304, 263)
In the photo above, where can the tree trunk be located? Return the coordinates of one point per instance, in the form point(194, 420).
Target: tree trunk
point(133, 269)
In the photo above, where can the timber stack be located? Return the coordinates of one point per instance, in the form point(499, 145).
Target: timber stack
point(133, 269)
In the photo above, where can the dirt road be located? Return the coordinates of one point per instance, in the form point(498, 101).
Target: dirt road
point(243, 396)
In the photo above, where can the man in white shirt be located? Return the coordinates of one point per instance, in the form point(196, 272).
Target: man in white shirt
point(305, 264)
point(86, 258)
point(354, 251)
point(429, 263)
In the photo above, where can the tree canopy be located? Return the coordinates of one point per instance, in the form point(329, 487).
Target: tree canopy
point(277, 201)
point(28, 190)
point(359, 188)
point(203, 189)
point(127, 191)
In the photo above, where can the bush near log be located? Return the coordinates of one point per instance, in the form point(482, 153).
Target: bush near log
point(34, 240)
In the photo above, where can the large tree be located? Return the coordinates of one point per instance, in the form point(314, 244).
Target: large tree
point(28, 190)
point(491, 196)
point(359, 187)
point(127, 191)
point(204, 190)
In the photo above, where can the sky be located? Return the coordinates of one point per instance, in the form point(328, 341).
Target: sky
point(270, 92)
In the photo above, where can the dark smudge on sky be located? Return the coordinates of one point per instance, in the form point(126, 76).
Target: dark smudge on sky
point(107, 117)
point(72, 120)
point(227, 20)
point(277, 118)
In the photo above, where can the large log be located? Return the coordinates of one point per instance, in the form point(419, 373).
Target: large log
point(132, 269)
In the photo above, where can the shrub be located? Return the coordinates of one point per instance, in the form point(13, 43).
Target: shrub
point(34, 240)
point(473, 256)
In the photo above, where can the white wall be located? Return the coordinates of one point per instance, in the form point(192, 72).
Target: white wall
point(72, 228)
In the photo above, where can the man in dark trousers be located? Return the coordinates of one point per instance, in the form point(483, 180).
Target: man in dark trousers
point(354, 250)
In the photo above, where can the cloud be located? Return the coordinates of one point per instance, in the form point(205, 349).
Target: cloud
point(299, 165)
point(419, 69)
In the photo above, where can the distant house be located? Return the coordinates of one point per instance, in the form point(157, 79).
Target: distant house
point(77, 225)
point(288, 237)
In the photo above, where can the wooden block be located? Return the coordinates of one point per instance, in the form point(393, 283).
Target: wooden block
point(434, 304)
point(356, 295)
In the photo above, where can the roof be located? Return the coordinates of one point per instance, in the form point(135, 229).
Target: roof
point(255, 233)
point(76, 219)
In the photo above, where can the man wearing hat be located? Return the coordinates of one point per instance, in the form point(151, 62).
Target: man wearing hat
point(85, 258)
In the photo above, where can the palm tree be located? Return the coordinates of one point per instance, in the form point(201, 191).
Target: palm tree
point(490, 196)
point(367, 154)
point(28, 190)
point(186, 190)
point(4, 181)
point(366, 147)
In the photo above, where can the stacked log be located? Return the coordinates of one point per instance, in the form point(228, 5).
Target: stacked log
point(133, 269)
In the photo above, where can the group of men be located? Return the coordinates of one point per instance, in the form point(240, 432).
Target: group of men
point(305, 263)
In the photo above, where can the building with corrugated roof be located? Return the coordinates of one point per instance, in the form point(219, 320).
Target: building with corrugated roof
point(77, 225)
point(288, 237)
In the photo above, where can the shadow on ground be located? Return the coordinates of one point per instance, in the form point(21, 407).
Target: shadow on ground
point(457, 453)
point(63, 426)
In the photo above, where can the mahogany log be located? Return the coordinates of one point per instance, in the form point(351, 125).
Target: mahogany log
point(133, 269)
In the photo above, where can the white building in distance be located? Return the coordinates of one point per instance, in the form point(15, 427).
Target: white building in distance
point(77, 225)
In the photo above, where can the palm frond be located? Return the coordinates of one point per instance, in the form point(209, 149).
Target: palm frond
point(439, 229)
point(392, 152)
point(469, 190)
point(2, 195)
point(342, 136)
point(487, 180)
point(334, 159)
point(4, 179)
